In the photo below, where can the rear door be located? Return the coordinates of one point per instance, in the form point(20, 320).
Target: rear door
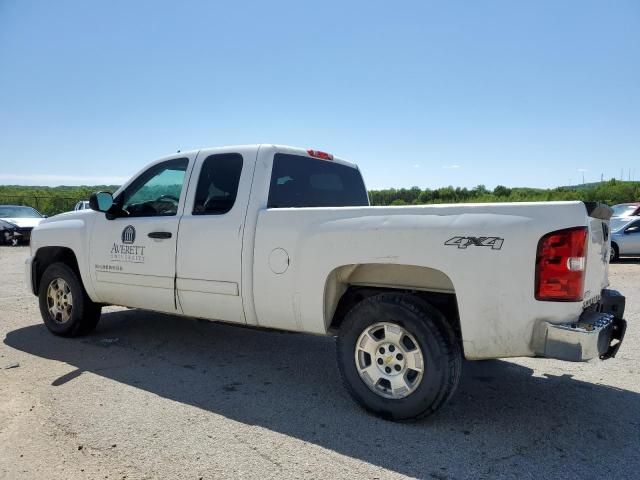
point(297, 180)
point(132, 257)
point(209, 256)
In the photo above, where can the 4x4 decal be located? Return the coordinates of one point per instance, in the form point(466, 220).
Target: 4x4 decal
point(463, 242)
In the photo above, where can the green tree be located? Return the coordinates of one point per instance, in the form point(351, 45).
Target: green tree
point(502, 191)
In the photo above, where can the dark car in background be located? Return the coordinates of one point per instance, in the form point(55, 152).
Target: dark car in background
point(18, 222)
point(9, 233)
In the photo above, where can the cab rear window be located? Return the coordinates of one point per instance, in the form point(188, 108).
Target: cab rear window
point(298, 181)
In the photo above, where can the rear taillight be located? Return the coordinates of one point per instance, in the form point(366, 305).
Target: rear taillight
point(560, 265)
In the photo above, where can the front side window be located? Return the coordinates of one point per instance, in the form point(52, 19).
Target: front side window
point(298, 181)
point(157, 191)
point(218, 184)
point(633, 228)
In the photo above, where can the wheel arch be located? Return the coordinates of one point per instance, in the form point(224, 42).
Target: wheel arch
point(347, 285)
point(46, 256)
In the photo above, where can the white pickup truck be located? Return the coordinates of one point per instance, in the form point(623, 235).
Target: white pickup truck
point(284, 238)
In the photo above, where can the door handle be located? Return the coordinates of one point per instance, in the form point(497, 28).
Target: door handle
point(160, 235)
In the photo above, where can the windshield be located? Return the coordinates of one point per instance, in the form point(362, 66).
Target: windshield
point(622, 210)
point(18, 212)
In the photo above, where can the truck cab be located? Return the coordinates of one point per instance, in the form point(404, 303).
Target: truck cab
point(174, 238)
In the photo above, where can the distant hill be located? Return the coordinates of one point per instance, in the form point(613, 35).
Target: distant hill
point(582, 186)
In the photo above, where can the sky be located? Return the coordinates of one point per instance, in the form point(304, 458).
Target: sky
point(519, 93)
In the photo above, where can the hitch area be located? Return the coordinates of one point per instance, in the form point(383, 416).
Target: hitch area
point(596, 334)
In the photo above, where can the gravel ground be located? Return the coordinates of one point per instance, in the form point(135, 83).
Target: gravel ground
point(155, 396)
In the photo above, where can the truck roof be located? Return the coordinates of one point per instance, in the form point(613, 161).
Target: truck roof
point(279, 148)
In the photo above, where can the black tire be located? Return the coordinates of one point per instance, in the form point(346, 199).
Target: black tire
point(615, 253)
point(440, 347)
point(84, 314)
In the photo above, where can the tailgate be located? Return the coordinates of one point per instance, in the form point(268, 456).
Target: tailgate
point(597, 265)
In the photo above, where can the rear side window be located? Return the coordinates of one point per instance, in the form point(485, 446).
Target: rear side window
point(218, 184)
point(298, 181)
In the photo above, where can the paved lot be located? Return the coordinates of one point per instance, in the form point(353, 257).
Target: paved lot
point(155, 396)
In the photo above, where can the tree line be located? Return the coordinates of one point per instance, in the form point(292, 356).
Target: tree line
point(53, 200)
point(48, 200)
point(610, 192)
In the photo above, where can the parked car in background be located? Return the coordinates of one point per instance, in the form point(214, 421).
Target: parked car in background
point(82, 205)
point(623, 213)
point(626, 209)
point(625, 238)
point(9, 234)
point(24, 218)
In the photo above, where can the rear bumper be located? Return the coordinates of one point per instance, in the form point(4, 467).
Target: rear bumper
point(597, 333)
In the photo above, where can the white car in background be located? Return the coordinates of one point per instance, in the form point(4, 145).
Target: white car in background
point(626, 210)
point(625, 237)
point(82, 205)
point(623, 213)
point(24, 218)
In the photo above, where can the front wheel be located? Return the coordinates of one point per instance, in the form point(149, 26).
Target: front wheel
point(65, 306)
point(398, 357)
point(614, 253)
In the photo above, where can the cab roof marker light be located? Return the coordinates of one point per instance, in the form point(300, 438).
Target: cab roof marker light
point(320, 155)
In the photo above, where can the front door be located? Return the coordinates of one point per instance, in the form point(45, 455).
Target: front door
point(132, 257)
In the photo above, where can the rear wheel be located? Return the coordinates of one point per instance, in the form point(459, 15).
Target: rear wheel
point(614, 253)
point(65, 306)
point(398, 357)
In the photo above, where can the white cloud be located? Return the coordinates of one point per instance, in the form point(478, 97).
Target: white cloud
point(55, 180)
point(450, 167)
point(416, 165)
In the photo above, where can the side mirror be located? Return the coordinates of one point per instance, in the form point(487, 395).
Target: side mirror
point(101, 201)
